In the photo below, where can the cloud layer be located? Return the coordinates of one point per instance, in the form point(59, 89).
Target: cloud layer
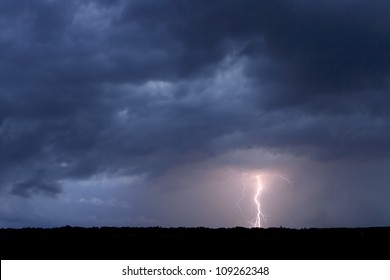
point(146, 88)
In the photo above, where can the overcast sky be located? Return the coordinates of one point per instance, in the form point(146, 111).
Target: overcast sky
point(162, 113)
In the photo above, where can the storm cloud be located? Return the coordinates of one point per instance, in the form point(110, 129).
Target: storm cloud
point(146, 95)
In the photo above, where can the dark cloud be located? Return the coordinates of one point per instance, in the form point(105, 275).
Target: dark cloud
point(143, 87)
point(35, 186)
point(321, 52)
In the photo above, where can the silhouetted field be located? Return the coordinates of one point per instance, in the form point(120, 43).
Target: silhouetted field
point(194, 243)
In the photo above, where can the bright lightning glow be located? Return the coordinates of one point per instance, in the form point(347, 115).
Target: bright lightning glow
point(257, 198)
point(259, 217)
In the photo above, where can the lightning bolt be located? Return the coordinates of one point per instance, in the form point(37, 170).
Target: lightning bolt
point(259, 217)
point(237, 204)
point(256, 199)
point(283, 178)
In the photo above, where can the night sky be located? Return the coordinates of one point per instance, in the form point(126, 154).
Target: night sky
point(162, 113)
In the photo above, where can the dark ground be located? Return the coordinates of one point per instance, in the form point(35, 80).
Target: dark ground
point(194, 243)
